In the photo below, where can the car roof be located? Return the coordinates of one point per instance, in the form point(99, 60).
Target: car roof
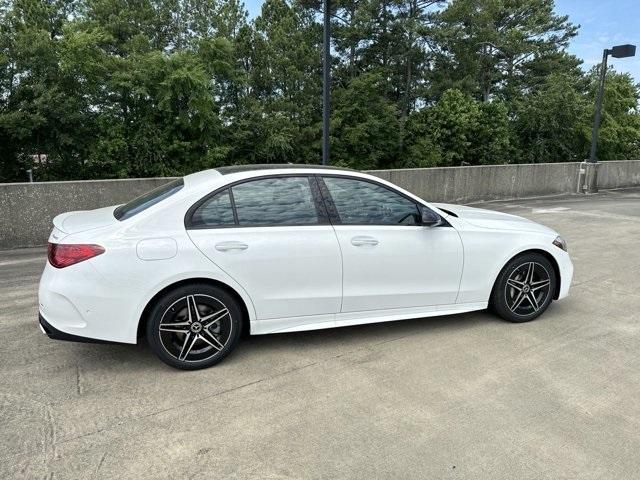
point(274, 166)
point(207, 178)
point(206, 182)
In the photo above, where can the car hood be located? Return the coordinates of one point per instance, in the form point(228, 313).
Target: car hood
point(479, 217)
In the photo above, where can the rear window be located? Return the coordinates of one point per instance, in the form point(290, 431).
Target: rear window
point(147, 200)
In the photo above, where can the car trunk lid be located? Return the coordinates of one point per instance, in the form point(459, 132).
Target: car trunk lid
point(80, 221)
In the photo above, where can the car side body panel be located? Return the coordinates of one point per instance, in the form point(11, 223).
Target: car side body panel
point(103, 298)
point(127, 282)
point(405, 267)
point(487, 250)
point(290, 271)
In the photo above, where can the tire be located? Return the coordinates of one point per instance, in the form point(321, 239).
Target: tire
point(194, 326)
point(524, 288)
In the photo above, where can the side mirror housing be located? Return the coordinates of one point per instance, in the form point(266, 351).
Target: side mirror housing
point(430, 218)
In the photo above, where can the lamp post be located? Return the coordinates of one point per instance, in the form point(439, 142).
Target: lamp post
point(619, 51)
point(326, 81)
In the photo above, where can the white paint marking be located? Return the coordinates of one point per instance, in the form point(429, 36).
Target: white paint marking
point(550, 210)
point(18, 262)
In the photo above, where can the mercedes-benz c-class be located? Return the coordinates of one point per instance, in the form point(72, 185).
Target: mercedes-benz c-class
point(255, 249)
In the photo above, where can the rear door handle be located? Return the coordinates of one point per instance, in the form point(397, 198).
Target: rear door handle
point(227, 246)
point(362, 241)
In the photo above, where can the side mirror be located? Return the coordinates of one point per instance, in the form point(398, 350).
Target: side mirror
point(430, 218)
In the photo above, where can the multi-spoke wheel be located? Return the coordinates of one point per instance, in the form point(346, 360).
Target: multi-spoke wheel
point(194, 326)
point(524, 289)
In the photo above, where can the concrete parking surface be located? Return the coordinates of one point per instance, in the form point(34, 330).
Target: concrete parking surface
point(462, 397)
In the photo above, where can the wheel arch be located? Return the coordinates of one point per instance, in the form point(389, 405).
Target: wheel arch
point(545, 254)
point(144, 316)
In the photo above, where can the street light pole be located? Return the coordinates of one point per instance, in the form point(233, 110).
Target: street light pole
point(589, 169)
point(596, 118)
point(326, 81)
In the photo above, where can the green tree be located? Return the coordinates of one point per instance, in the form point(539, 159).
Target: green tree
point(486, 45)
point(365, 131)
point(117, 88)
point(458, 130)
point(280, 115)
point(619, 135)
point(42, 117)
point(552, 124)
point(492, 142)
point(452, 124)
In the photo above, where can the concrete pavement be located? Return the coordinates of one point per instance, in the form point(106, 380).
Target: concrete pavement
point(459, 397)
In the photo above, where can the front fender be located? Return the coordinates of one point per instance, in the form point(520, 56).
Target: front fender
point(486, 252)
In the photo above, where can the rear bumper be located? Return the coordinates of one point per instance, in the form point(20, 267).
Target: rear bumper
point(52, 332)
point(79, 303)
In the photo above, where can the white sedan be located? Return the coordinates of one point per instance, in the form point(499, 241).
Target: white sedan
point(266, 249)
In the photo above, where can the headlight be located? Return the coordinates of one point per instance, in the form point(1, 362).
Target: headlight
point(560, 243)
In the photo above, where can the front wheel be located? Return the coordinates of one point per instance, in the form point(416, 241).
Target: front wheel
point(524, 288)
point(194, 326)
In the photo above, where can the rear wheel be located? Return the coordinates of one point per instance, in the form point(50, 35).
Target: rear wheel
point(194, 326)
point(524, 288)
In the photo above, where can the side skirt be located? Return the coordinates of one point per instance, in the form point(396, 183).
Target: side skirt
point(317, 322)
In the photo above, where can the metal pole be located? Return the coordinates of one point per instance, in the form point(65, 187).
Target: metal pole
point(326, 81)
point(596, 119)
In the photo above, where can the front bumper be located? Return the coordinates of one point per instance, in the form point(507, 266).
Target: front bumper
point(52, 332)
point(566, 274)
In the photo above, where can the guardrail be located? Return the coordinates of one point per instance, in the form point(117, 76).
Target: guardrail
point(28, 208)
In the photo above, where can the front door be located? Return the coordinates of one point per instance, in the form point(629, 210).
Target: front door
point(390, 260)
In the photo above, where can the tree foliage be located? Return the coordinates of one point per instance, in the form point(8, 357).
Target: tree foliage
point(120, 88)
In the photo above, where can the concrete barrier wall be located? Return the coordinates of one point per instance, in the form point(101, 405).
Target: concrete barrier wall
point(619, 174)
point(485, 182)
point(27, 209)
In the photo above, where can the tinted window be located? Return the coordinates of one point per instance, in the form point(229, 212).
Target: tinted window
point(214, 212)
point(143, 202)
point(275, 201)
point(359, 202)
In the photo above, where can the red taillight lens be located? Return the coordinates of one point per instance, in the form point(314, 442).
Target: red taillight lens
point(62, 255)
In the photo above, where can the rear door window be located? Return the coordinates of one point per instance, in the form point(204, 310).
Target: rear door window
point(263, 202)
point(275, 201)
point(214, 212)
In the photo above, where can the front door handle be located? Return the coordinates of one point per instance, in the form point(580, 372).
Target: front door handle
point(227, 246)
point(363, 241)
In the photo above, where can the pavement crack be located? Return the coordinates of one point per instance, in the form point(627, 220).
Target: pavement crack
point(185, 404)
point(79, 388)
point(229, 390)
point(104, 455)
point(49, 444)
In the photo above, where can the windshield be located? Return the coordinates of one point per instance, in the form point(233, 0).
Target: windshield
point(145, 201)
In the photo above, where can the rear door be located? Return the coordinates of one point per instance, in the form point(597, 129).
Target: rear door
point(390, 260)
point(273, 236)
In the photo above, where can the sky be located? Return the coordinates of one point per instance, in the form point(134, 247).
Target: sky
point(603, 24)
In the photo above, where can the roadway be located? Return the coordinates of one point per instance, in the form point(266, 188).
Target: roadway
point(467, 396)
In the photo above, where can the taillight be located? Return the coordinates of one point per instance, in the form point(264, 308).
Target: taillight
point(62, 255)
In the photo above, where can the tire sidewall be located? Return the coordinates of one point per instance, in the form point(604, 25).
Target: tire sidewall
point(166, 300)
point(498, 301)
